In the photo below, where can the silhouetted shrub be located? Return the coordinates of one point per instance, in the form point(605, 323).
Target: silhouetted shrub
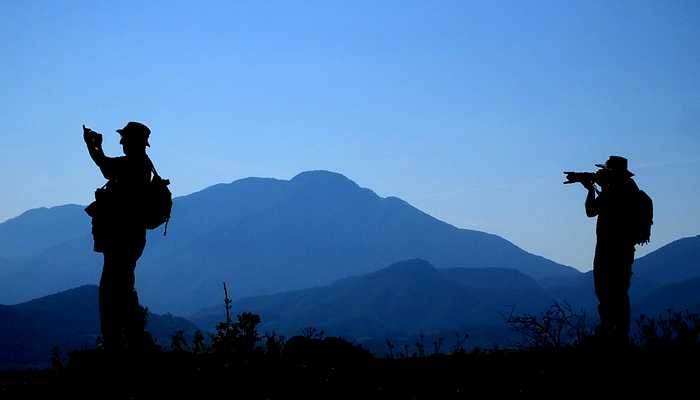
point(437, 345)
point(312, 333)
point(178, 343)
point(314, 350)
point(679, 329)
point(56, 359)
point(390, 346)
point(557, 327)
point(420, 346)
point(274, 344)
point(199, 345)
point(240, 337)
point(461, 339)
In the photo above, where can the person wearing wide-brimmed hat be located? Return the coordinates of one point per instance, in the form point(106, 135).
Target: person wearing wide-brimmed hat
point(120, 234)
point(614, 252)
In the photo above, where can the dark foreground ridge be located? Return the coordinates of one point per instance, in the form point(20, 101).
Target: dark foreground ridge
point(331, 368)
point(238, 362)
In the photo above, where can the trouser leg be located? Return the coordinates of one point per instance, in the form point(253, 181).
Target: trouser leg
point(113, 287)
point(621, 302)
point(612, 273)
point(134, 323)
point(121, 317)
point(602, 291)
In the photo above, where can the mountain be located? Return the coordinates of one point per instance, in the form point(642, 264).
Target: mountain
point(675, 296)
point(579, 291)
point(4, 265)
point(70, 320)
point(59, 267)
point(403, 299)
point(668, 278)
point(40, 229)
point(677, 261)
point(261, 236)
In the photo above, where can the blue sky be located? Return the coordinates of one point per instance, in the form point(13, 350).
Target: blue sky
point(467, 110)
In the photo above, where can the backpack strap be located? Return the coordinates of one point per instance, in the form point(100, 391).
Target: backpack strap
point(153, 167)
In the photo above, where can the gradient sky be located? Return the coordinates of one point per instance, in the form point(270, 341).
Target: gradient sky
point(468, 110)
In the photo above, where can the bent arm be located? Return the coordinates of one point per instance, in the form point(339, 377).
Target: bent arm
point(592, 207)
point(102, 161)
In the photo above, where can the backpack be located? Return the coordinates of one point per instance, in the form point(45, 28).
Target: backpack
point(643, 218)
point(159, 202)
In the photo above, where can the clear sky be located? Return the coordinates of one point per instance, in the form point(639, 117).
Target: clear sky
point(468, 110)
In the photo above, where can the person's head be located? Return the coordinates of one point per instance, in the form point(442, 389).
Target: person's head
point(134, 138)
point(613, 171)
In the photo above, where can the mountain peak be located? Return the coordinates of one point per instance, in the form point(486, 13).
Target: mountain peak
point(323, 177)
point(41, 212)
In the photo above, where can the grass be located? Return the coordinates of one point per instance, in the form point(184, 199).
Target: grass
point(239, 363)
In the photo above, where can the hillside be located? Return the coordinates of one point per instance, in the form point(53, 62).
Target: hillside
point(679, 296)
point(70, 320)
point(261, 236)
point(404, 299)
point(37, 230)
point(675, 262)
point(663, 279)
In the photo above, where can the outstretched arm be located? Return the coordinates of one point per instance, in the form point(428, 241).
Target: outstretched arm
point(93, 140)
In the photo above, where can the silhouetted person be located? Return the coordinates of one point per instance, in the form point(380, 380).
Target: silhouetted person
point(614, 252)
point(119, 233)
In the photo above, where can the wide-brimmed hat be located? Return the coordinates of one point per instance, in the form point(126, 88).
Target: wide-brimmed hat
point(135, 129)
point(616, 164)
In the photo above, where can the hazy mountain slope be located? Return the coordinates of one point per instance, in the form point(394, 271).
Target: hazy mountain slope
point(580, 291)
point(677, 261)
point(5, 267)
point(69, 319)
point(405, 298)
point(66, 265)
point(326, 228)
point(39, 229)
point(679, 296)
point(501, 288)
point(265, 236)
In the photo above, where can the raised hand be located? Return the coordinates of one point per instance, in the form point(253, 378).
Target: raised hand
point(91, 137)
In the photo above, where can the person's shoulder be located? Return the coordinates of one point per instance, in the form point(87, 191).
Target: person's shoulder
point(632, 184)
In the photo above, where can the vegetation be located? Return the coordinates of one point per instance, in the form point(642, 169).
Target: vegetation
point(679, 330)
point(557, 327)
point(556, 357)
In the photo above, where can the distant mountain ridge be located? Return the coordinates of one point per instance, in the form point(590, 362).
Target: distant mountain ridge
point(675, 262)
point(69, 320)
point(402, 299)
point(666, 279)
point(412, 297)
point(261, 235)
point(399, 302)
point(678, 296)
point(39, 229)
